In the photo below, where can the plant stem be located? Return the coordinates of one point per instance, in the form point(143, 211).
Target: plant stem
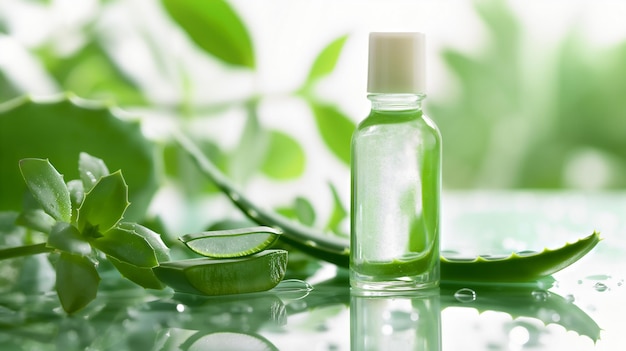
point(26, 250)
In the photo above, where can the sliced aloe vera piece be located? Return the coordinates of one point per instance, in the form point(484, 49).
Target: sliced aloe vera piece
point(231, 243)
point(207, 276)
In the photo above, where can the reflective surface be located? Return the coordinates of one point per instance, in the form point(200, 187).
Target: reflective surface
point(582, 308)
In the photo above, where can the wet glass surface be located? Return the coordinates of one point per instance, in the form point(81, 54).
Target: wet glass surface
point(582, 308)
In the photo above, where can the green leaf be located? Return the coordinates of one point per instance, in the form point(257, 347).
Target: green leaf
point(161, 250)
point(104, 205)
point(91, 169)
point(91, 72)
point(251, 149)
point(127, 246)
point(47, 187)
point(36, 219)
point(284, 158)
point(66, 237)
point(77, 194)
point(338, 215)
point(143, 277)
point(76, 282)
point(59, 130)
point(336, 129)
point(304, 211)
point(215, 27)
point(326, 61)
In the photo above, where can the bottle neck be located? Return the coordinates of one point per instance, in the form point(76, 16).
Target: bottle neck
point(396, 102)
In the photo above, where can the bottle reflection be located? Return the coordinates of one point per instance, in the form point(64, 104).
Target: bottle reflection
point(398, 323)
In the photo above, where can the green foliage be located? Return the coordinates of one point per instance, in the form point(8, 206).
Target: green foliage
point(77, 281)
point(131, 247)
point(59, 131)
point(106, 80)
point(336, 129)
point(326, 61)
point(553, 123)
point(215, 27)
point(48, 188)
point(284, 158)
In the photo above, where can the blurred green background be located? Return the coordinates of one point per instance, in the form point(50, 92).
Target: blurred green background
point(526, 94)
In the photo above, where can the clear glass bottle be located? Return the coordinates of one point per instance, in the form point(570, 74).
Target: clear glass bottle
point(396, 174)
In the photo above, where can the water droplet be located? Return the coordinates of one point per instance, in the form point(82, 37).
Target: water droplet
point(180, 307)
point(540, 295)
point(600, 287)
point(253, 214)
point(293, 289)
point(620, 283)
point(234, 196)
point(570, 298)
point(465, 295)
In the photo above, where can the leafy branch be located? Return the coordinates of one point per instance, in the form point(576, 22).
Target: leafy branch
point(83, 221)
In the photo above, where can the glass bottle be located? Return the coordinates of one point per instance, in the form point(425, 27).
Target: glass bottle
point(396, 174)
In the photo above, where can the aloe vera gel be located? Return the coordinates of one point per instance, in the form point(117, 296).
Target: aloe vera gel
point(396, 174)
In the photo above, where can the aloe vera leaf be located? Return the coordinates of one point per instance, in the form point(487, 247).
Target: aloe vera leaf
point(336, 250)
point(518, 267)
point(206, 276)
point(231, 243)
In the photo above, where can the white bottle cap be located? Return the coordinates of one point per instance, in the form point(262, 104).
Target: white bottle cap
point(396, 63)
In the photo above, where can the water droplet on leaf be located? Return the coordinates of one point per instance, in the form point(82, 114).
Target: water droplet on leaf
point(540, 295)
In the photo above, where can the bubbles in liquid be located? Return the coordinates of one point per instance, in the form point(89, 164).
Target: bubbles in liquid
point(540, 295)
point(600, 287)
point(465, 295)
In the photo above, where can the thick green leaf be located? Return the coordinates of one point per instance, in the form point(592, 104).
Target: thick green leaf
point(77, 281)
point(284, 158)
point(47, 187)
point(336, 129)
point(104, 205)
point(161, 250)
point(36, 219)
point(77, 194)
point(60, 130)
point(325, 62)
point(215, 27)
point(127, 246)
point(66, 237)
point(91, 169)
point(143, 277)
